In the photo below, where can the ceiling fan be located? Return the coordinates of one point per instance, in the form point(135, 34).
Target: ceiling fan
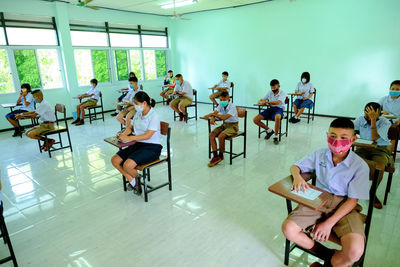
point(85, 4)
point(177, 16)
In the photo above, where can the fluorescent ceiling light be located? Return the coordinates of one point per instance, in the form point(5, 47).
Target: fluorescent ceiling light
point(179, 4)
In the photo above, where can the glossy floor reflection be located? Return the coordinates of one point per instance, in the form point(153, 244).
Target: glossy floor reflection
point(70, 210)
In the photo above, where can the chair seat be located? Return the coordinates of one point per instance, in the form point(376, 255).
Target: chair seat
point(98, 106)
point(240, 133)
point(142, 167)
point(57, 129)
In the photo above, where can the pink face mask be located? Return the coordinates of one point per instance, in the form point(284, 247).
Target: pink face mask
point(339, 146)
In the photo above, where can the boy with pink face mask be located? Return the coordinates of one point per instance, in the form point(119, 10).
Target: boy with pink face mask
point(345, 175)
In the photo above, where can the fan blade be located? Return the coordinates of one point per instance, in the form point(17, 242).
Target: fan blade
point(92, 7)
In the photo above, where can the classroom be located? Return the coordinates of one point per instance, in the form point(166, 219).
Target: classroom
point(199, 133)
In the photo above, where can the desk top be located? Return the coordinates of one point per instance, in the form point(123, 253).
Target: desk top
point(390, 116)
point(365, 143)
point(9, 105)
point(282, 188)
point(113, 140)
point(295, 94)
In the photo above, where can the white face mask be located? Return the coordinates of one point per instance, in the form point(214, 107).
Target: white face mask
point(139, 108)
point(303, 80)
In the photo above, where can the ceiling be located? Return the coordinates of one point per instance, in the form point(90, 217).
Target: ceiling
point(153, 6)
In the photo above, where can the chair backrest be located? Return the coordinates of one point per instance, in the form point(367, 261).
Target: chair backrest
point(194, 92)
point(287, 100)
point(232, 85)
point(164, 128)
point(241, 112)
point(60, 108)
point(141, 87)
point(393, 135)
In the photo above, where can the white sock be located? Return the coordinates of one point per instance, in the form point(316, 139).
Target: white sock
point(269, 130)
point(133, 183)
point(297, 117)
point(276, 134)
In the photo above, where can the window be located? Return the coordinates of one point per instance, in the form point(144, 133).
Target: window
point(27, 36)
point(154, 41)
point(124, 40)
point(161, 63)
point(6, 84)
point(91, 64)
point(154, 64)
point(2, 38)
point(136, 65)
point(81, 38)
point(49, 67)
point(28, 71)
point(121, 61)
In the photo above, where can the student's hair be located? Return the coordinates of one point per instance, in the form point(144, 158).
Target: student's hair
point(305, 75)
point(396, 82)
point(132, 73)
point(178, 75)
point(274, 82)
point(343, 123)
point(170, 71)
point(37, 92)
point(376, 106)
point(27, 86)
point(224, 94)
point(133, 79)
point(93, 81)
point(225, 73)
point(144, 97)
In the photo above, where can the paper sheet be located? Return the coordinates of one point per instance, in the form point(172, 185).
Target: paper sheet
point(363, 141)
point(310, 193)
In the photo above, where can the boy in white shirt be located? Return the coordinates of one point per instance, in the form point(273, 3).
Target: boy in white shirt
point(94, 97)
point(222, 86)
point(185, 92)
point(225, 111)
point(275, 100)
point(124, 91)
point(391, 103)
point(129, 111)
point(47, 116)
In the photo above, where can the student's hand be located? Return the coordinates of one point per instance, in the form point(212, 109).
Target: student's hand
point(212, 120)
point(123, 137)
point(397, 123)
point(372, 114)
point(304, 98)
point(385, 112)
point(322, 231)
point(125, 101)
point(166, 77)
point(298, 184)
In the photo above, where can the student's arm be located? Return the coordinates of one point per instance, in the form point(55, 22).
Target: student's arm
point(25, 101)
point(277, 102)
point(147, 135)
point(211, 114)
point(222, 88)
point(19, 99)
point(373, 116)
point(223, 117)
point(31, 114)
point(323, 229)
point(308, 97)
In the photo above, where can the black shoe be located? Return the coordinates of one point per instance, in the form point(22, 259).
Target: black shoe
point(276, 140)
point(114, 114)
point(291, 119)
point(295, 120)
point(76, 121)
point(269, 135)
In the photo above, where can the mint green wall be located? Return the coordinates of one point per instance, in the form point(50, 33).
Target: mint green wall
point(350, 47)
point(63, 13)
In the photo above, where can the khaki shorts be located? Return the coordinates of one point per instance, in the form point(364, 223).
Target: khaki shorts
point(184, 101)
point(125, 112)
point(378, 154)
point(169, 90)
point(230, 129)
point(90, 102)
point(44, 127)
point(307, 218)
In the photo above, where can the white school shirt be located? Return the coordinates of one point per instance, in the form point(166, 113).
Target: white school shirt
point(131, 94)
point(230, 109)
point(45, 112)
point(141, 124)
point(391, 105)
point(348, 178)
point(29, 98)
point(226, 84)
point(95, 92)
point(382, 127)
point(185, 87)
point(281, 95)
point(308, 88)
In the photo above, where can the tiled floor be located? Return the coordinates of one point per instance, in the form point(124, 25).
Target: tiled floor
point(70, 210)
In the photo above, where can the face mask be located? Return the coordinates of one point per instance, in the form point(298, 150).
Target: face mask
point(139, 108)
point(130, 86)
point(394, 93)
point(303, 80)
point(274, 91)
point(339, 146)
point(178, 82)
point(224, 103)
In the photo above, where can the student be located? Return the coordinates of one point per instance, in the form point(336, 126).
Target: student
point(391, 103)
point(129, 111)
point(223, 85)
point(185, 92)
point(169, 82)
point(26, 101)
point(375, 128)
point(47, 116)
point(146, 132)
point(345, 176)
point(94, 97)
point(275, 100)
point(225, 111)
point(124, 91)
point(306, 89)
